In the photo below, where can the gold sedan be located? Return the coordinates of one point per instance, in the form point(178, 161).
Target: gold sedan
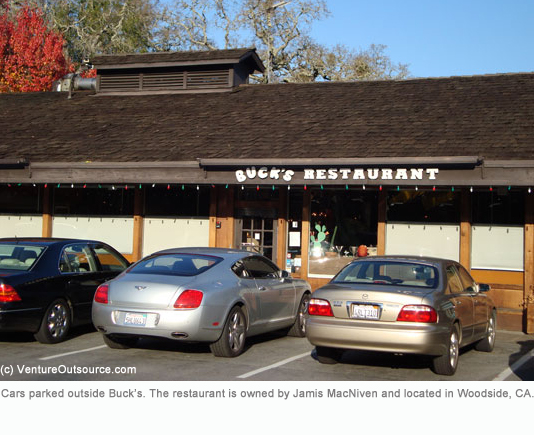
point(401, 304)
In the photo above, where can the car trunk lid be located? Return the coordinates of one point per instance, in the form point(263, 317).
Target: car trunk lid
point(144, 291)
point(372, 302)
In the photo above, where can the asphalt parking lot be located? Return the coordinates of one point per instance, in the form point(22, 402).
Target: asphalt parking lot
point(272, 357)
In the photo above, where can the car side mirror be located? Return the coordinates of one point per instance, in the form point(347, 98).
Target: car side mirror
point(284, 274)
point(484, 287)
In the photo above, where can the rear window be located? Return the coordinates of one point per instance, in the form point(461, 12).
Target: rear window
point(389, 272)
point(19, 257)
point(175, 264)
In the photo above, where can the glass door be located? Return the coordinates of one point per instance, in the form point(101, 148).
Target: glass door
point(257, 234)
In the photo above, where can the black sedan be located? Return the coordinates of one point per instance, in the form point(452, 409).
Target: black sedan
point(47, 285)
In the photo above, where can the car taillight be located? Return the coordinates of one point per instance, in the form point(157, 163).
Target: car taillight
point(189, 299)
point(320, 307)
point(418, 313)
point(8, 294)
point(101, 294)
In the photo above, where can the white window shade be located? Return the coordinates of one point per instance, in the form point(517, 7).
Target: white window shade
point(433, 240)
point(497, 247)
point(117, 232)
point(21, 226)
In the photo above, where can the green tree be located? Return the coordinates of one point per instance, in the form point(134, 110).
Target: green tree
point(105, 26)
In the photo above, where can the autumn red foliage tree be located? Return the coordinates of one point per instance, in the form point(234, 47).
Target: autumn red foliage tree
point(31, 55)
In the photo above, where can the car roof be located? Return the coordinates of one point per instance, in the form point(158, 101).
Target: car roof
point(44, 241)
point(221, 252)
point(408, 258)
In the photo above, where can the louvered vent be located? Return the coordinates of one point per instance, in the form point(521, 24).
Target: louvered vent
point(158, 81)
point(166, 80)
point(207, 79)
point(119, 82)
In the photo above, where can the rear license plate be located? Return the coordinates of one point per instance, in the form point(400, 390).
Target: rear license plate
point(365, 311)
point(135, 319)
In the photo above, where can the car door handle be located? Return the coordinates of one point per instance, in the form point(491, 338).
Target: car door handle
point(262, 288)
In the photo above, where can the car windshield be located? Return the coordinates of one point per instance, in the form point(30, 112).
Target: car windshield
point(389, 272)
point(175, 264)
point(18, 257)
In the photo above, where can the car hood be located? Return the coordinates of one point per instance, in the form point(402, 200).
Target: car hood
point(140, 291)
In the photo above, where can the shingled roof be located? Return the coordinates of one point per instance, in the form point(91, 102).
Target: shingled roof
point(490, 116)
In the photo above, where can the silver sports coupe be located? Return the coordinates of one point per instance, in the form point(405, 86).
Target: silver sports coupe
point(212, 295)
point(412, 305)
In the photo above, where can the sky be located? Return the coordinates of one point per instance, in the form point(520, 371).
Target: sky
point(437, 38)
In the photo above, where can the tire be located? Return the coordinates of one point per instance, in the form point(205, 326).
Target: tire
point(299, 327)
point(446, 364)
point(328, 355)
point(488, 342)
point(231, 343)
point(56, 322)
point(117, 342)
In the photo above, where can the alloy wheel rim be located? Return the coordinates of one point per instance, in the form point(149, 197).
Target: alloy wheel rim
point(302, 316)
point(236, 332)
point(454, 350)
point(491, 330)
point(57, 320)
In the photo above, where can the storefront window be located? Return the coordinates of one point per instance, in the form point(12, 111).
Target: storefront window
point(497, 231)
point(341, 222)
point(104, 201)
point(177, 201)
point(16, 199)
point(423, 223)
point(424, 206)
point(499, 206)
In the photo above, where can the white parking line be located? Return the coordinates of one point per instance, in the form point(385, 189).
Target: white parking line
point(72, 353)
point(510, 370)
point(273, 366)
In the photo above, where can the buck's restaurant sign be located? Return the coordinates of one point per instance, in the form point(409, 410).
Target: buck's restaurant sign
point(336, 174)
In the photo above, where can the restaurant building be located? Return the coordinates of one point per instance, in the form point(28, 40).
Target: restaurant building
point(178, 149)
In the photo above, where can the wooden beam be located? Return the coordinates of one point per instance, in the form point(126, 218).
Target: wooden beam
point(281, 234)
point(138, 225)
point(528, 288)
point(225, 235)
point(213, 218)
point(465, 229)
point(381, 227)
point(305, 236)
point(48, 218)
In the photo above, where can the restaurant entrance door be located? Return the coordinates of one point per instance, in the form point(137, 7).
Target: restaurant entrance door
point(256, 231)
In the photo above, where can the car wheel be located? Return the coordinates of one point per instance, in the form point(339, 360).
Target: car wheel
point(55, 324)
point(231, 343)
point(446, 364)
point(299, 327)
point(488, 342)
point(328, 355)
point(116, 342)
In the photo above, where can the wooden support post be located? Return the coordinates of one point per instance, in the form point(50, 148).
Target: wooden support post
point(381, 228)
point(528, 288)
point(138, 226)
point(48, 217)
point(305, 236)
point(225, 234)
point(465, 229)
point(213, 218)
point(281, 234)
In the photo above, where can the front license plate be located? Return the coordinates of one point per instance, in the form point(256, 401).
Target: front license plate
point(135, 319)
point(365, 311)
